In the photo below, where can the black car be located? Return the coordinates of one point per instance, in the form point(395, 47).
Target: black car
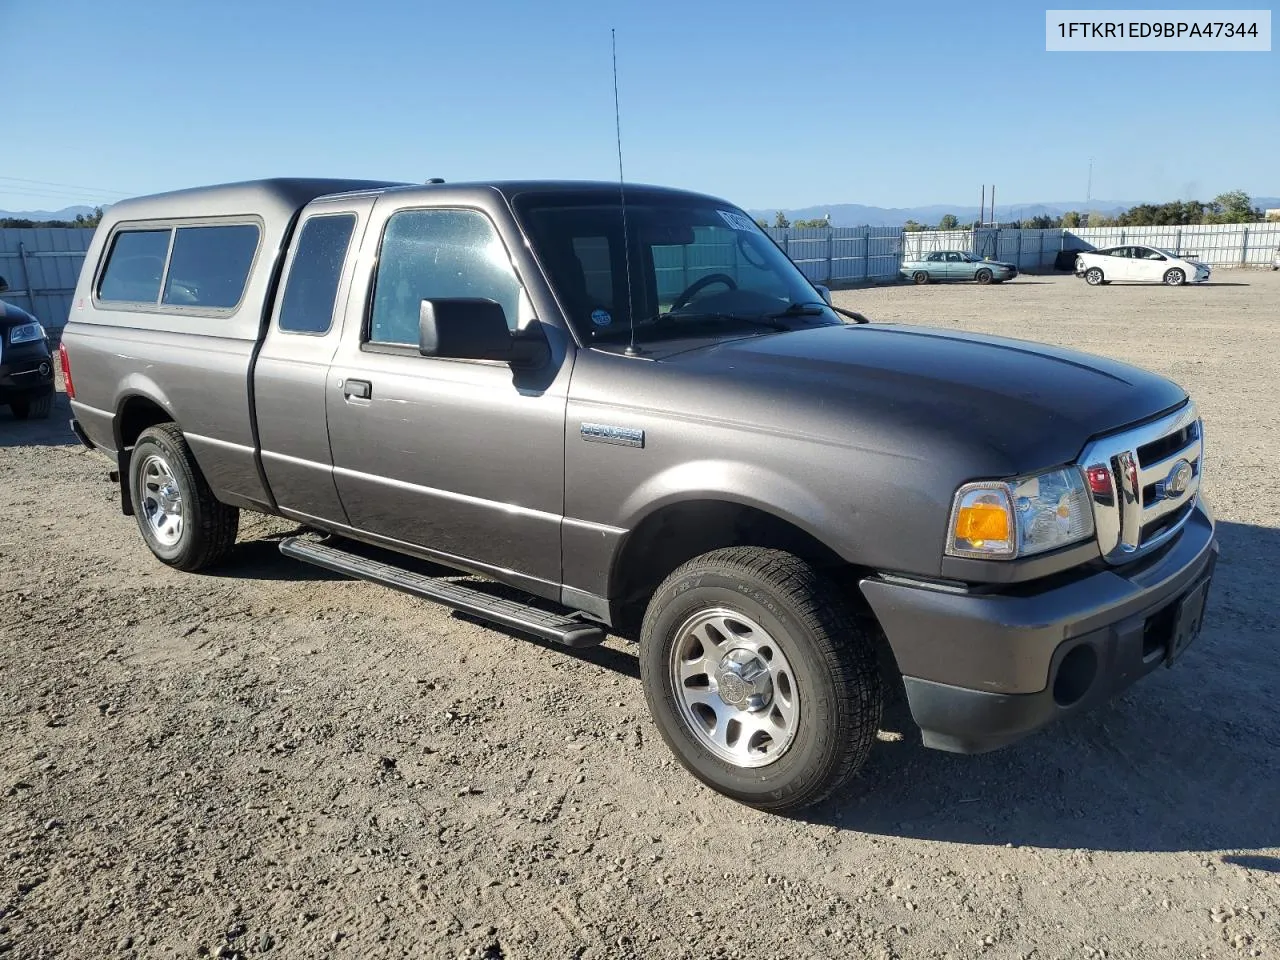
point(26, 366)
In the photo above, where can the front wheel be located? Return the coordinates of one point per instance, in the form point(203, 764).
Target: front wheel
point(920, 276)
point(983, 276)
point(1175, 277)
point(181, 521)
point(1093, 277)
point(759, 678)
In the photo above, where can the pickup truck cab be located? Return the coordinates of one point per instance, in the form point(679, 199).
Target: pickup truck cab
point(629, 405)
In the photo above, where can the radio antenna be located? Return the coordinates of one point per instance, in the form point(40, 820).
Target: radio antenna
point(622, 197)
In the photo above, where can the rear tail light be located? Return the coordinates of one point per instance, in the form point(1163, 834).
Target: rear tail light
point(65, 361)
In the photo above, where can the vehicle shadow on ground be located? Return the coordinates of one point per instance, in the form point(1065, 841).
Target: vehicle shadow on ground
point(53, 432)
point(262, 560)
point(1185, 760)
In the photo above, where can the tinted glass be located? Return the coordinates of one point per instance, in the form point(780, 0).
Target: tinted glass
point(210, 265)
point(135, 266)
point(934, 257)
point(438, 254)
point(313, 279)
point(953, 258)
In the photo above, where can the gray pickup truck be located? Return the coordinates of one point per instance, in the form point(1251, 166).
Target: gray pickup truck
point(632, 408)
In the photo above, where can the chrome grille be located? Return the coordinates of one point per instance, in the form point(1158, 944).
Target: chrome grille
point(1144, 482)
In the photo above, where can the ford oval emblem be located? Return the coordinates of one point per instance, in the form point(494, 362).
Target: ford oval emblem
point(1178, 480)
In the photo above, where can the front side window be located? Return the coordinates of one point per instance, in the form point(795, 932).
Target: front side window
point(435, 255)
point(685, 267)
point(135, 266)
point(312, 286)
point(209, 266)
point(954, 258)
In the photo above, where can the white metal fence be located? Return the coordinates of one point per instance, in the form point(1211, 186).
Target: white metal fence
point(41, 266)
point(1223, 244)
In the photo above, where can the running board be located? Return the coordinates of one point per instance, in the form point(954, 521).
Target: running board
point(518, 616)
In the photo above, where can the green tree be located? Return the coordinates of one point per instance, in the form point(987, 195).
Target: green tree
point(912, 227)
point(1042, 222)
point(949, 221)
point(780, 220)
point(763, 225)
point(92, 220)
point(1234, 206)
point(1071, 219)
point(810, 224)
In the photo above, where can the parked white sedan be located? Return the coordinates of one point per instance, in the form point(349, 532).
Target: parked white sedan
point(1139, 264)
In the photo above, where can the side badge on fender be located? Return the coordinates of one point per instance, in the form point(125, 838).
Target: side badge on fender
point(622, 436)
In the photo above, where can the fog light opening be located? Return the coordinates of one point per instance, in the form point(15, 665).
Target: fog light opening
point(1075, 676)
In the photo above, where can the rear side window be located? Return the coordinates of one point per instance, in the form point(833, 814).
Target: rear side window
point(210, 265)
point(312, 286)
point(135, 266)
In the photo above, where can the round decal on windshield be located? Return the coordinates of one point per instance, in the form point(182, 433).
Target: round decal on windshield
point(601, 318)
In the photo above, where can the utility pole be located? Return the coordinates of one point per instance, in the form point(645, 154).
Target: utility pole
point(1088, 190)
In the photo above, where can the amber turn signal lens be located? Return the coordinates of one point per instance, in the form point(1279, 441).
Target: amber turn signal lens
point(979, 522)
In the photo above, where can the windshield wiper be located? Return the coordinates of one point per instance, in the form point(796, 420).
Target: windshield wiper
point(769, 321)
point(814, 308)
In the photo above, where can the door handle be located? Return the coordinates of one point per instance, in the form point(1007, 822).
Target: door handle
point(357, 389)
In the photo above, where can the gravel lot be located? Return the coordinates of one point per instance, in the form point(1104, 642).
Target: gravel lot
point(274, 760)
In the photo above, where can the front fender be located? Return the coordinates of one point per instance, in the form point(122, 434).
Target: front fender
point(734, 482)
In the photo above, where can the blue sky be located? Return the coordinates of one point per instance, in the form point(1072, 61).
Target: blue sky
point(769, 104)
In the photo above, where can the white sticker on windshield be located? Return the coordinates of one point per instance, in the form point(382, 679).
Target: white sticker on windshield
point(738, 221)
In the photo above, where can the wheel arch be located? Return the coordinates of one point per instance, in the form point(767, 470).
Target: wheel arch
point(140, 405)
point(678, 530)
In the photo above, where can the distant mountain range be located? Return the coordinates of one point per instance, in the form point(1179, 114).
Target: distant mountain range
point(858, 215)
point(66, 213)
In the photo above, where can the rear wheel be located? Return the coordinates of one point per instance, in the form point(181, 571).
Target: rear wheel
point(920, 276)
point(33, 408)
point(1175, 277)
point(759, 678)
point(983, 276)
point(1093, 277)
point(181, 521)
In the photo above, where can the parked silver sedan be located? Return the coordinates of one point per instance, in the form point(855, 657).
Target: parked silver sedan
point(957, 265)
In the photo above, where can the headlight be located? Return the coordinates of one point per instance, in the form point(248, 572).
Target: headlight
point(1018, 518)
point(25, 333)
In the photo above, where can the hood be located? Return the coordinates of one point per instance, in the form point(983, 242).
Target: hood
point(11, 315)
point(1027, 406)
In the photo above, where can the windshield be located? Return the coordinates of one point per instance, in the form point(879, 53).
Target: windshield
point(697, 269)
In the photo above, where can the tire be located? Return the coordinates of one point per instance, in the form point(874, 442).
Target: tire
point(920, 276)
point(1174, 277)
point(983, 276)
point(180, 520)
point(1093, 277)
point(800, 684)
point(37, 408)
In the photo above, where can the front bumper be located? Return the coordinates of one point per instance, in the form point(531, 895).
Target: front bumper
point(985, 669)
point(26, 369)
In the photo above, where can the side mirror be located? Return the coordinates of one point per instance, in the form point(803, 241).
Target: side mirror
point(4, 284)
point(825, 291)
point(474, 329)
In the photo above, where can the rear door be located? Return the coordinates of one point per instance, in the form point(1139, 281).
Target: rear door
point(1119, 264)
point(462, 459)
point(290, 378)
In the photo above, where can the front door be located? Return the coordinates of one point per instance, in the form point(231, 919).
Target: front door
point(463, 459)
point(957, 268)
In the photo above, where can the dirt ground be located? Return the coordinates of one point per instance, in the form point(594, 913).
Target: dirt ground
point(274, 760)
